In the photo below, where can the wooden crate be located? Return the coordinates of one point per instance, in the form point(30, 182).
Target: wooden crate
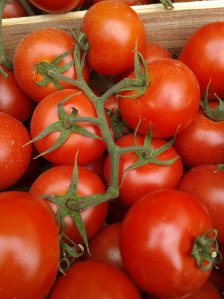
point(170, 28)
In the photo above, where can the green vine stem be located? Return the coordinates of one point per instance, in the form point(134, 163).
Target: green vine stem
point(27, 7)
point(4, 60)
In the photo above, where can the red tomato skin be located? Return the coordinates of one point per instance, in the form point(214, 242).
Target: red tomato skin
point(105, 246)
point(169, 103)
point(199, 55)
point(112, 29)
point(29, 247)
point(12, 99)
point(155, 51)
point(104, 281)
point(13, 9)
point(56, 180)
point(46, 113)
point(206, 183)
point(14, 156)
point(147, 178)
point(202, 142)
point(52, 6)
point(129, 2)
point(52, 42)
point(156, 239)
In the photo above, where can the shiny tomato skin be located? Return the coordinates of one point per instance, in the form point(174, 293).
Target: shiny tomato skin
point(93, 279)
point(202, 142)
point(13, 9)
point(113, 29)
point(146, 178)
point(12, 98)
point(199, 55)
point(56, 180)
point(156, 240)
point(46, 113)
point(29, 246)
point(206, 183)
point(129, 2)
point(169, 103)
point(52, 42)
point(14, 156)
point(155, 51)
point(52, 6)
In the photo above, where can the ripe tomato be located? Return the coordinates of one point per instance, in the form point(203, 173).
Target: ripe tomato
point(105, 246)
point(129, 2)
point(169, 103)
point(13, 9)
point(156, 241)
point(43, 45)
point(29, 246)
point(217, 278)
point(149, 177)
point(12, 99)
point(52, 6)
point(207, 291)
point(205, 182)
point(113, 30)
point(199, 55)
point(155, 51)
point(56, 180)
point(46, 114)
point(202, 142)
point(93, 279)
point(14, 157)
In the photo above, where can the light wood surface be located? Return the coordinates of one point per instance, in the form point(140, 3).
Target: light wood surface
point(170, 28)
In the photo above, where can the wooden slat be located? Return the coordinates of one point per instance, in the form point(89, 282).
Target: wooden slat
point(170, 28)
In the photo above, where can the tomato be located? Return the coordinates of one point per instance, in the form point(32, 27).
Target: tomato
point(52, 6)
point(93, 279)
point(202, 142)
point(129, 2)
point(169, 103)
point(12, 99)
point(113, 29)
point(199, 55)
point(14, 156)
point(29, 246)
point(56, 180)
point(217, 278)
point(43, 45)
point(46, 114)
point(155, 51)
point(206, 183)
point(105, 246)
point(207, 291)
point(13, 9)
point(134, 183)
point(156, 240)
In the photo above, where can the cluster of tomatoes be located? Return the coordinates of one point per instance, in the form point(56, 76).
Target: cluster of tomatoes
point(111, 163)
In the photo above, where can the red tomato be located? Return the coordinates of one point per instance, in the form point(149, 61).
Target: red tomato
point(207, 291)
point(14, 157)
point(105, 246)
point(203, 54)
point(169, 103)
point(29, 246)
point(43, 45)
point(155, 51)
point(217, 278)
point(156, 241)
point(46, 113)
point(129, 2)
point(12, 99)
point(55, 6)
point(93, 279)
point(113, 29)
point(202, 142)
point(149, 177)
point(56, 180)
point(13, 9)
point(205, 182)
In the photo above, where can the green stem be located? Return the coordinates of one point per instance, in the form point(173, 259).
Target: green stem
point(27, 8)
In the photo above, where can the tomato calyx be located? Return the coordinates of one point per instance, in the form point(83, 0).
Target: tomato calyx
point(220, 167)
point(167, 4)
point(205, 250)
point(42, 68)
point(67, 124)
point(217, 113)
